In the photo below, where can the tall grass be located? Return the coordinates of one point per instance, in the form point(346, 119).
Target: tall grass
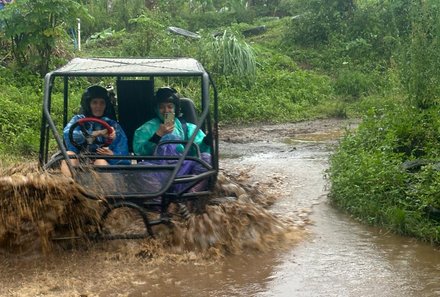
point(229, 55)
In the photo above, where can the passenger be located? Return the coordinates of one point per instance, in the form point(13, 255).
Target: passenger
point(95, 103)
point(147, 137)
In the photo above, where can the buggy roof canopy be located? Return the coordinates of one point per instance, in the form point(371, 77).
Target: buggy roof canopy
point(131, 67)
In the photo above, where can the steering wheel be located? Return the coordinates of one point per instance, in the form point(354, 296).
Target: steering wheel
point(90, 139)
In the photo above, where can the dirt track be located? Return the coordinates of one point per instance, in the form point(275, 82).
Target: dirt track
point(327, 253)
point(277, 132)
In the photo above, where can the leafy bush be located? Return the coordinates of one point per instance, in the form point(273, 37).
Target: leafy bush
point(145, 35)
point(293, 96)
point(115, 16)
point(365, 36)
point(353, 84)
point(35, 27)
point(319, 21)
point(21, 112)
point(214, 19)
point(419, 61)
point(372, 33)
point(369, 180)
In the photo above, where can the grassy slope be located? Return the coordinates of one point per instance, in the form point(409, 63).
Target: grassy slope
point(282, 92)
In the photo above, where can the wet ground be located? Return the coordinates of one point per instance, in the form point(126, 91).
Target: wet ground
point(340, 257)
point(325, 254)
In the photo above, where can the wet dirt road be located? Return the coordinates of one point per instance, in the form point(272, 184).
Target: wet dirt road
point(337, 256)
point(340, 257)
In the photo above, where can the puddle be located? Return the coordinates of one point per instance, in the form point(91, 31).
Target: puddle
point(328, 136)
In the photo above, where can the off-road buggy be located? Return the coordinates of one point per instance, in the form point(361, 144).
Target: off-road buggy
point(134, 186)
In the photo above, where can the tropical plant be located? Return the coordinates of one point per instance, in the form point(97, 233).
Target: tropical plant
point(319, 20)
point(420, 60)
point(146, 34)
point(228, 55)
point(35, 27)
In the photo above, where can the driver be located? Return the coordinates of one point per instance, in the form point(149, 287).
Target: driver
point(95, 103)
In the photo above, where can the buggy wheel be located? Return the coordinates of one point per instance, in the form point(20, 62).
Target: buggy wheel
point(122, 234)
point(188, 208)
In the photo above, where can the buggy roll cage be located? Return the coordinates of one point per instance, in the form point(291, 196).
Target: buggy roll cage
point(134, 68)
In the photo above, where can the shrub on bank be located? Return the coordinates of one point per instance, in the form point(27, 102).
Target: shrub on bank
point(20, 112)
point(369, 178)
point(277, 96)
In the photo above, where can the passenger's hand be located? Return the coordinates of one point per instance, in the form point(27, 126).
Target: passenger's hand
point(165, 129)
point(104, 151)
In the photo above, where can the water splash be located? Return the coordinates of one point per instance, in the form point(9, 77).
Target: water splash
point(35, 205)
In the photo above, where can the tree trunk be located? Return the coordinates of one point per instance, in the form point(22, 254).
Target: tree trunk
point(150, 4)
point(109, 6)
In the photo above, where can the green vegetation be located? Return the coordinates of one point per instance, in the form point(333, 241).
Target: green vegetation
point(375, 59)
point(370, 173)
point(35, 27)
point(370, 179)
point(20, 98)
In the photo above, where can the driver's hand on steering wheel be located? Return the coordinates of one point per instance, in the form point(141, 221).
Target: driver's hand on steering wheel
point(104, 133)
point(104, 151)
point(113, 134)
point(165, 129)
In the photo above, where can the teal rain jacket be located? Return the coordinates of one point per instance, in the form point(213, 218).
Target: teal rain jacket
point(143, 146)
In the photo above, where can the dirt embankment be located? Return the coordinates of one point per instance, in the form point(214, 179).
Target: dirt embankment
point(278, 132)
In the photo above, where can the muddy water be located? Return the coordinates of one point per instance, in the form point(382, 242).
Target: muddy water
point(340, 257)
point(326, 253)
